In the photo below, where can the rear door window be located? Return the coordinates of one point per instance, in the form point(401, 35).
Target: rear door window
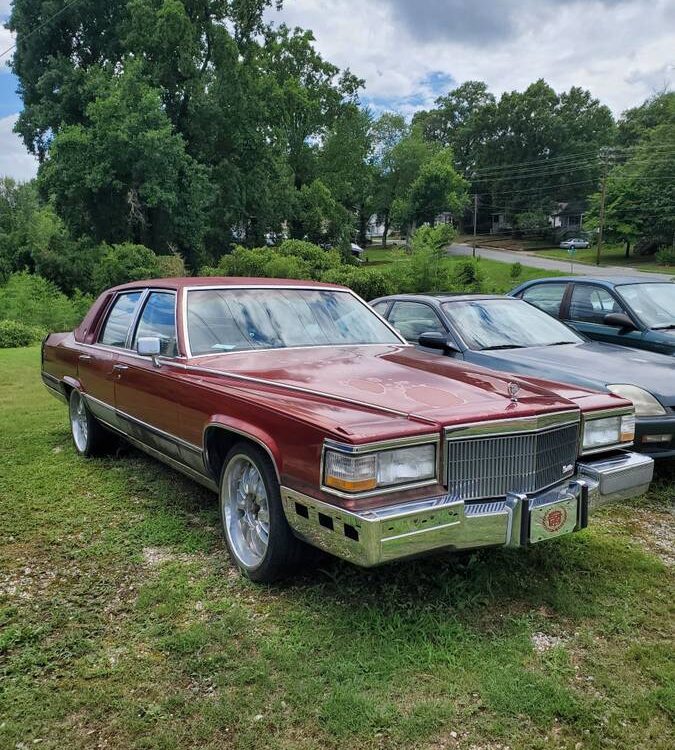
point(547, 297)
point(116, 327)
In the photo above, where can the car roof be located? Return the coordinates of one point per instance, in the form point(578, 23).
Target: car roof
point(613, 281)
point(219, 281)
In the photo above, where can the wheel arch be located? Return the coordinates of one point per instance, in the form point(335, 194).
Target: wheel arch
point(221, 434)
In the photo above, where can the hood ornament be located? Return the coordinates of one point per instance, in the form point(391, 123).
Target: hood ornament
point(514, 390)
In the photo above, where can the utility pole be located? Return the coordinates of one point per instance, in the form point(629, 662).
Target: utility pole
point(601, 218)
point(475, 213)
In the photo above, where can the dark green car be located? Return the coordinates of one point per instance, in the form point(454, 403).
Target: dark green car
point(627, 311)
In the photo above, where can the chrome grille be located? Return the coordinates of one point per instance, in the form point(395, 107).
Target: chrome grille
point(487, 467)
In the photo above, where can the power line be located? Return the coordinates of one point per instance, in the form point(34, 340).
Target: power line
point(40, 26)
point(563, 160)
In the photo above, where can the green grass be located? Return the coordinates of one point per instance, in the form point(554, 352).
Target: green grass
point(123, 624)
point(612, 255)
point(498, 278)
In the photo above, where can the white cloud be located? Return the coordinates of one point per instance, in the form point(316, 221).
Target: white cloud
point(15, 161)
point(622, 50)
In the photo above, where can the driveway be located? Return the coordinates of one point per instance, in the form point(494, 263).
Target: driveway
point(548, 264)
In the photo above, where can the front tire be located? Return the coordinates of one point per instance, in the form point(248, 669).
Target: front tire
point(257, 534)
point(89, 437)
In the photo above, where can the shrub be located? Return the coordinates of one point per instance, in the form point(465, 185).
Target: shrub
point(317, 259)
point(467, 277)
point(125, 262)
point(366, 282)
point(666, 256)
point(293, 259)
point(171, 266)
point(516, 270)
point(37, 302)
point(14, 334)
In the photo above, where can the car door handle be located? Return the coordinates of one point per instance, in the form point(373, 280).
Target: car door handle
point(85, 357)
point(119, 368)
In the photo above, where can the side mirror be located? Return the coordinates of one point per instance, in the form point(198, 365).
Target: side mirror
point(149, 346)
point(436, 340)
point(619, 320)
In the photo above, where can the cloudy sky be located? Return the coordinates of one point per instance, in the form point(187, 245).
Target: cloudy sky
point(411, 51)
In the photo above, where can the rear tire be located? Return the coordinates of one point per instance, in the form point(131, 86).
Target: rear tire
point(258, 537)
point(89, 436)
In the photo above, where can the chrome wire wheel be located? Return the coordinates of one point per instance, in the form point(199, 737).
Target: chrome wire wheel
point(245, 509)
point(79, 422)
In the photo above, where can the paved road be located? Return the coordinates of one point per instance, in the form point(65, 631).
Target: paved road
point(548, 264)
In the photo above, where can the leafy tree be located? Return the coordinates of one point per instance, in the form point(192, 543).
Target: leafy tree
point(460, 121)
point(635, 122)
point(127, 174)
point(528, 150)
point(346, 164)
point(399, 166)
point(640, 191)
point(317, 216)
point(125, 262)
point(306, 94)
point(428, 268)
point(437, 188)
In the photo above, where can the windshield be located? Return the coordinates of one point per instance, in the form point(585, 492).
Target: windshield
point(654, 304)
point(506, 324)
point(224, 320)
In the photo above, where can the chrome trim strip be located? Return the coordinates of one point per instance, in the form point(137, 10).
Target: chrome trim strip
point(55, 392)
point(497, 427)
point(381, 444)
point(309, 288)
point(145, 425)
point(295, 348)
point(172, 462)
point(48, 376)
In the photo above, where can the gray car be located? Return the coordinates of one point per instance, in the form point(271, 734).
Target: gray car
point(511, 335)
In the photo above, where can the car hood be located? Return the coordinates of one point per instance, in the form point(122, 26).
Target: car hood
point(391, 378)
point(589, 364)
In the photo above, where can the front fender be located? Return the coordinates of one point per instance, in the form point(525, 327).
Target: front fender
point(245, 430)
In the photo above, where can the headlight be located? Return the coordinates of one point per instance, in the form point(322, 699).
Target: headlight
point(368, 471)
point(645, 404)
point(607, 431)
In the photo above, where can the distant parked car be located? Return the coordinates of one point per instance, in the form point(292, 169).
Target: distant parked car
point(626, 311)
point(575, 244)
point(508, 334)
point(357, 250)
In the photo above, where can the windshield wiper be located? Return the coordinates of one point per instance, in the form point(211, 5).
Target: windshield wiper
point(560, 343)
point(503, 346)
point(663, 328)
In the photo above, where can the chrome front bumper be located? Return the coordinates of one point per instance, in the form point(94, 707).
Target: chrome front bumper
point(410, 529)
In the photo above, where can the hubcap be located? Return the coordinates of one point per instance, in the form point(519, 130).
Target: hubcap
point(246, 511)
point(78, 422)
